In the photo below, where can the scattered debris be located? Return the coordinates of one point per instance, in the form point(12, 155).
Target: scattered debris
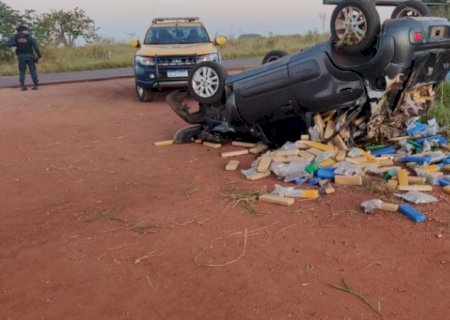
point(415, 158)
point(163, 143)
point(232, 165)
point(346, 288)
point(412, 213)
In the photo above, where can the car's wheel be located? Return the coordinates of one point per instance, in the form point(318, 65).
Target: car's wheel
point(274, 55)
point(355, 25)
point(206, 82)
point(411, 9)
point(144, 94)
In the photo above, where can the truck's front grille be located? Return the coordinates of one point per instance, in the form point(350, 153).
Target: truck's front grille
point(176, 61)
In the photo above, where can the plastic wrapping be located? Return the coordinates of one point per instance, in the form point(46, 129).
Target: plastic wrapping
point(371, 205)
point(436, 156)
point(417, 197)
point(432, 179)
point(249, 172)
point(280, 169)
point(324, 156)
point(289, 192)
point(355, 152)
point(345, 168)
point(314, 133)
point(433, 127)
point(406, 146)
point(289, 146)
point(373, 170)
point(426, 146)
point(290, 171)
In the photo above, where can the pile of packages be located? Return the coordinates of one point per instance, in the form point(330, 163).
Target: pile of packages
point(415, 163)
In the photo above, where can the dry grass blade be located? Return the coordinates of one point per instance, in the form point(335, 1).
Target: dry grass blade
point(246, 198)
point(189, 192)
point(154, 288)
point(346, 288)
point(143, 226)
point(244, 250)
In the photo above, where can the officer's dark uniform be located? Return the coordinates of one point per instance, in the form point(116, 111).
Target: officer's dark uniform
point(26, 48)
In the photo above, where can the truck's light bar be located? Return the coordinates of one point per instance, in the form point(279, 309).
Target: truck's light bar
point(177, 19)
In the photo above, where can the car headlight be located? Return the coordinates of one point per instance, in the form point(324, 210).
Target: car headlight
point(209, 57)
point(145, 61)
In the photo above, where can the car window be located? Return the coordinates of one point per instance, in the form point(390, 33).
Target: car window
point(176, 34)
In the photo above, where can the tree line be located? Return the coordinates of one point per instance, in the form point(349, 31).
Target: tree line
point(55, 28)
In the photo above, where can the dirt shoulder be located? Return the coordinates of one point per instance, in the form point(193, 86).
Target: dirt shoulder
point(98, 223)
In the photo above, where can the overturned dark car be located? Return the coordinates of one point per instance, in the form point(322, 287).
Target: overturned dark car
point(366, 70)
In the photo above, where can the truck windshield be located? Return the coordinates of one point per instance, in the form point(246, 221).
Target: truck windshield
point(176, 35)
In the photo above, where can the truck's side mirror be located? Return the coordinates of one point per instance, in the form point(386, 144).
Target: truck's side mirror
point(220, 40)
point(135, 43)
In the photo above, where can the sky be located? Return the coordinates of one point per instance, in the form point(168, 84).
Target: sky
point(124, 20)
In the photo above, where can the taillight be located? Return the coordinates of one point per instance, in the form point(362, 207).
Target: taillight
point(417, 36)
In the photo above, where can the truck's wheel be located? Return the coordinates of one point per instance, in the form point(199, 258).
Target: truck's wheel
point(411, 9)
point(206, 82)
point(274, 55)
point(144, 94)
point(355, 25)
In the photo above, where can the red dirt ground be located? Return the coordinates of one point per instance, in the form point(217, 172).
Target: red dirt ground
point(98, 223)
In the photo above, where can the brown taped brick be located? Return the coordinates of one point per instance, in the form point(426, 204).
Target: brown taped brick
point(243, 144)
point(232, 165)
point(234, 153)
point(349, 180)
point(270, 198)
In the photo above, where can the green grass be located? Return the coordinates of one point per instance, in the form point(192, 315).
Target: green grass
point(441, 107)
point(101, 56)
point(258, 47)
point(115, 55)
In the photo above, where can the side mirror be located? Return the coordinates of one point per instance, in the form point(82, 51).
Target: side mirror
point(220, 40)
point(135, 43)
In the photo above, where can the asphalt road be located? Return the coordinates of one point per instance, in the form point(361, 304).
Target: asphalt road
point(103, 74)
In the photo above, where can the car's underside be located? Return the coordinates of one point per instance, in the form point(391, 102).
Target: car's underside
point(387, 84)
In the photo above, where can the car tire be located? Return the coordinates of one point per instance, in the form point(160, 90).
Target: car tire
point(144, 94)
point(206, 82)
point(355, 25)
point(273, 56)
point(411, 9)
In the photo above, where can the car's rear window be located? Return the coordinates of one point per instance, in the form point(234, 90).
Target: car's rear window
point(176, 34)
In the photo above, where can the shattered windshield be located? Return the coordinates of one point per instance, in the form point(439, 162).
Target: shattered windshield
point(176, 35)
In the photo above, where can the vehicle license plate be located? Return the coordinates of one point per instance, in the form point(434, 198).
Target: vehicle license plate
point(177, 74)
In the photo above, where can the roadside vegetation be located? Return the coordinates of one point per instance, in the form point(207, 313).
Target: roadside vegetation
point(110, 54)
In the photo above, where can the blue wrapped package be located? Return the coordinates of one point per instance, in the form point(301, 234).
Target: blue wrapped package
point(419, 160)
point(416, 128)
point(444, 182)
point(383, 151)
point(412, 213)
point(299, 181)
point(440, 139)
point(314, 181)
point(326, 173)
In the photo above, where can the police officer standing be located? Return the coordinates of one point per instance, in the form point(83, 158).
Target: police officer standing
point(26, 49)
